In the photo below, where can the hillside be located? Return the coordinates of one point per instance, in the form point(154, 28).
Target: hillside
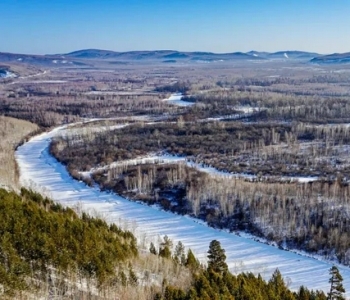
point(50, 251)
point(41, 239)
point(84, 57)
point(158, 55)
point(12, 132)
point(336, 58)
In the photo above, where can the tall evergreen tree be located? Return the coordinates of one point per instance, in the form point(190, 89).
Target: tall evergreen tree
point(216, 257)
point(152, 249)
point(165, 247)
point(278, 288)
point(179, 253)
point(337, 290)
point(191, 261)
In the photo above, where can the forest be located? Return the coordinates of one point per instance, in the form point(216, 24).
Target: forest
point(272, 203)
point(261, 149)
point(49, 250)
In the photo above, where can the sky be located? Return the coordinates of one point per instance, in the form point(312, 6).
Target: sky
point(61, 26)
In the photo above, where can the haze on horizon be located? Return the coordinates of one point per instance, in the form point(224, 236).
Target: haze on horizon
point(48, 27)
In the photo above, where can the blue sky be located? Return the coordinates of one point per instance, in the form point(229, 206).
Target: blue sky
point(60, 26)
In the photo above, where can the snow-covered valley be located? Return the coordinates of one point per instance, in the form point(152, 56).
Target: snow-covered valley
point(42, 172)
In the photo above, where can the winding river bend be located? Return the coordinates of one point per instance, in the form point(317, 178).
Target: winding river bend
point(40, 171)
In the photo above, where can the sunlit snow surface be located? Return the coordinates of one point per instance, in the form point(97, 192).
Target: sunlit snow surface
point(168, 159)
point(42, 172)
point(175, 99)
point(7, 74)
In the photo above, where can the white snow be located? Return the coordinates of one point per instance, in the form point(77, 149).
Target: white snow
point(45, 81)
point(175, 99)
point(8, 74)
point(43, 173)
point(245, 112)
point(88, 130)
point(168, 159)
point(55, 61)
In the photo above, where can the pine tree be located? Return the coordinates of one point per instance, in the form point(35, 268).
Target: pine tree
point(191, 262)
point(132, 277)
point(277, 287)
point(179, 253)
point(165, 247)
point(152, 249)
point(216, 257)
point(337, 290)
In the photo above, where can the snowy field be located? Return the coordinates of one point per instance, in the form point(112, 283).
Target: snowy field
point(175, 99)
point(43, 173)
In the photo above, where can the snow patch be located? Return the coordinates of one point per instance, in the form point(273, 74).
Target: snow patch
point(175, 99)
point(7, 74)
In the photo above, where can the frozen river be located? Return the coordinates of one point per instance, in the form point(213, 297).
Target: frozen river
point(42, 172)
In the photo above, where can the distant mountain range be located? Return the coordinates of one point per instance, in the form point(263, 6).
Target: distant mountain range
point(87, 56)
point(336, 58)
point(41, 60)
point(157, 55)
point(172, 55)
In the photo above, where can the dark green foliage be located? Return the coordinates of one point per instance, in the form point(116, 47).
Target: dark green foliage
point(132, 277)
point(337, 290)
point(213, 284)
point(277, 287)
point(36, 234)
point(152, 249)
point(191, 262)
point(179, 253)
point(122, 278)
point(216, 257)
point(165, 247)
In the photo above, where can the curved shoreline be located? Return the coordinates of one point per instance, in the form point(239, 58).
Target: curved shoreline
point(42, 172)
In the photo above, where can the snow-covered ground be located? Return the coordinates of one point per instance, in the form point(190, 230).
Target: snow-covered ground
point(42, 172)
point(7, 74)
point(88, 130)
point(175, 99)
point(34, 75)
point(244, 112)
point(168, 159)
point(20, 78)
point(45, 81)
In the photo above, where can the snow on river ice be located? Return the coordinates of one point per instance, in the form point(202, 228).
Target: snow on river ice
point(42, 172)
point(169, 159)
point(176, 99)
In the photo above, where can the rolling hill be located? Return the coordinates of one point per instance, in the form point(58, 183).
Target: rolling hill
point(336, 58)
point(85, 56)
